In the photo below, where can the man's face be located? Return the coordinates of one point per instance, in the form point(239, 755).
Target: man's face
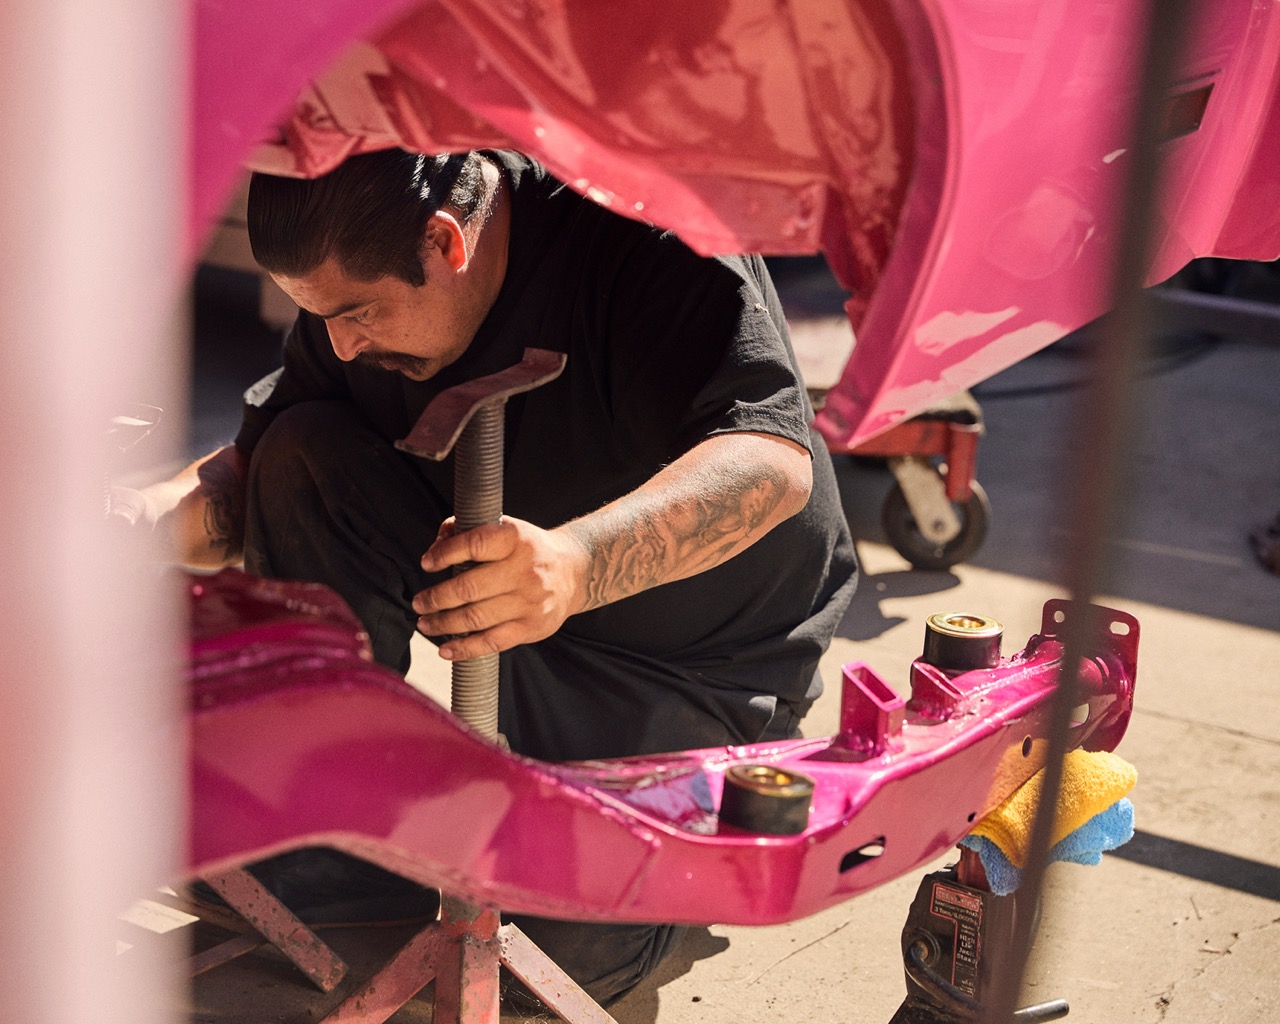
point(416, 331)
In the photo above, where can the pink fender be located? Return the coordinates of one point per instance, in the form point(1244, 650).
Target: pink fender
point(957, 163)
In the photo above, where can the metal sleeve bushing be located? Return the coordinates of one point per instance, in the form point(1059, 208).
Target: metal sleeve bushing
point(956, 642)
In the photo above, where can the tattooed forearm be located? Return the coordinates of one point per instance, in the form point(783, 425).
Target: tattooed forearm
point(223, 491)
point(657, 535)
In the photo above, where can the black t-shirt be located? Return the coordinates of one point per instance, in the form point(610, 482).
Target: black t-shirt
point(665, 349)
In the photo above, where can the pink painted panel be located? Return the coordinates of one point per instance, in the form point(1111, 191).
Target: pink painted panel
point(957, 162)
point(250, 59)
point(1011, 223)
point(298, 738)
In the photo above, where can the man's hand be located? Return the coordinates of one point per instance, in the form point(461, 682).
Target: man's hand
point(133, 508)
point(525, 581)
point(132, 517)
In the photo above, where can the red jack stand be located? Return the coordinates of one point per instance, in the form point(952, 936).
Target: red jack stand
point(466, 949)
point(463, 953)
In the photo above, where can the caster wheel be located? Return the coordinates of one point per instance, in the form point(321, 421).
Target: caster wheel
point(905, 536)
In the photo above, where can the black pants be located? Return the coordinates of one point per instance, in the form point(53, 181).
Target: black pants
point(329, 501)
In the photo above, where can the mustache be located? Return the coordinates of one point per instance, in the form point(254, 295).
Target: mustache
point(412, 365)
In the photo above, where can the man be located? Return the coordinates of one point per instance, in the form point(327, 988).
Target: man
point(673, 559)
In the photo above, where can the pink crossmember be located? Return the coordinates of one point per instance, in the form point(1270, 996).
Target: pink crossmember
point(298, 739)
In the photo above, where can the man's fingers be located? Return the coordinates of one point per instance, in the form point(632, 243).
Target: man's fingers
point(448, 528)
point(479, 544)
point(477, 629)
point(467, 618)
point(492, 641)
point(457, 591)
point(132, 506)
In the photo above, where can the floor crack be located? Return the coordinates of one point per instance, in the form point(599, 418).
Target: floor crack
point(1165, 999)
point(1240, 733)
point(794, 952)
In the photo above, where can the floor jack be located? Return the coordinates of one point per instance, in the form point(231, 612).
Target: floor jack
point(937, 514)
point(954, 943)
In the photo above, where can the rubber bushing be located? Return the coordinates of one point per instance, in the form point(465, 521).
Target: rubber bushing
point(762, 798)
point(956, 642)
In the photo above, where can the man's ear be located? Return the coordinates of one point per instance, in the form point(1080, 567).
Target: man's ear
point(444, 234)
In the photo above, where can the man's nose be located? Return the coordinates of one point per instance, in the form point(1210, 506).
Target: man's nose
point(348, 340)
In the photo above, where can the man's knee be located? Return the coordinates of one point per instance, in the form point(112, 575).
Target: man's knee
point(307, 446)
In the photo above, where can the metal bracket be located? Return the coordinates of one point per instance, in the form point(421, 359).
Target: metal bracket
point(926, 495)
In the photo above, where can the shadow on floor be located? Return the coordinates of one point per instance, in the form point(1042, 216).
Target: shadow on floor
point(640, 1005)
point(1202, 864)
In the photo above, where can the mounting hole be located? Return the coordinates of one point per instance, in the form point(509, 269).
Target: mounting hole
point(1120, 628)
point(864, 853)
point(1059, 616)
point(1026, 747)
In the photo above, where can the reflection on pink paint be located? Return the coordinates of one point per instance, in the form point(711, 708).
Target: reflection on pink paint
point(948, 328)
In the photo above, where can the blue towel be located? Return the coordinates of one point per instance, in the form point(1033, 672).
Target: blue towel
point(1104, 831)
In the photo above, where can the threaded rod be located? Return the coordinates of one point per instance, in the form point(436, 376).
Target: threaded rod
point(477, 501)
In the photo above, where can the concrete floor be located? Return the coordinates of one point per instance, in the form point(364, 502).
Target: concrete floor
point(1181, 925)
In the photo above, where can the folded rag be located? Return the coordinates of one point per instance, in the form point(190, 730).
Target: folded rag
point(1092, 816)
point(1091, 782)
point(1104, 831)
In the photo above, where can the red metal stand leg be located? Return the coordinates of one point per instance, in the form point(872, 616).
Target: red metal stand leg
point(274, 921)
point(467, 984)
point(463, 953)
point(399, 980)
point(547, 981)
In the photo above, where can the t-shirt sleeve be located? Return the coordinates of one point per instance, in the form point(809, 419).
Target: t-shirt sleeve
point(310, 371)
point(698, 347)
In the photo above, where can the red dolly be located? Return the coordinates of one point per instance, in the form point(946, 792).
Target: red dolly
point(936, 515)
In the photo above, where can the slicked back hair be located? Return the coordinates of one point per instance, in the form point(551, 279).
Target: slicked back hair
point(369, 213)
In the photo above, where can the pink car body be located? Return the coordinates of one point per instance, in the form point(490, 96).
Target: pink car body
point(958, 162)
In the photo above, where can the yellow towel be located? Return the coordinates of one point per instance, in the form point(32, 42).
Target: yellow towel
point(1091, 782)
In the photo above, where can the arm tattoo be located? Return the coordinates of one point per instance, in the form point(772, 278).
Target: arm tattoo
point(643, 541)
point(223, 491)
